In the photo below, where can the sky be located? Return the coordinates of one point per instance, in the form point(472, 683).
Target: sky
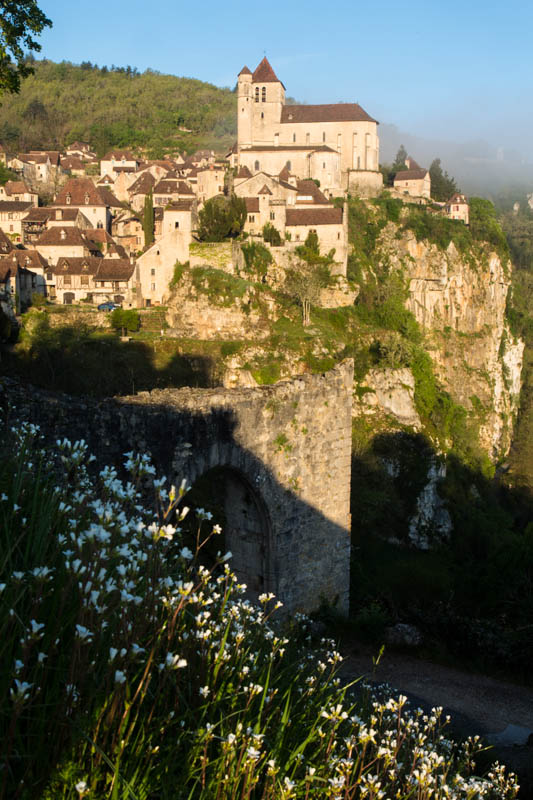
point(449, 70)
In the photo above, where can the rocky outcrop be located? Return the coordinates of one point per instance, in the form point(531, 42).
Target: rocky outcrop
point(460, 301)
point(391, 391)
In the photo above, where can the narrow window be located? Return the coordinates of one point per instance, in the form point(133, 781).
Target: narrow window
point(293, 137)
point(257, 94)
point(308, 138)
point(262, 115)
point(153, 287)
point(339, 141)
point(152, 271)
point(176, 225)
point(263, 94)
point(272, 215)
point(256, 166)
point(324, 136)
point(289, 165)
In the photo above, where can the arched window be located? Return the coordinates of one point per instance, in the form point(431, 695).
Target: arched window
point(264, 94)
point(288, 165)
point(256, 166)
point(262, 115)
point(257, 94)
point(68, 198)
point(293, 137)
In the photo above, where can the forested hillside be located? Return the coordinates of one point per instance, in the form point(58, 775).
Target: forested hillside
point(116, 107)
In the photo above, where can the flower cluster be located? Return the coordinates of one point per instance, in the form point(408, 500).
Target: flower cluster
point(126, 658)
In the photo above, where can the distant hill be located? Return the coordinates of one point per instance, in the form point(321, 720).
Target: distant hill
point(116, 107)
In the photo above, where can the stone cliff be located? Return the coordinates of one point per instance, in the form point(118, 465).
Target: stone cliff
point(460, 301)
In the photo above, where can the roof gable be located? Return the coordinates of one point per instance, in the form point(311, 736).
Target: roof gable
point(264, 73)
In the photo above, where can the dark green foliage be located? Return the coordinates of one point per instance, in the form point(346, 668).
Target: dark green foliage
point(437, 229)
point(221, 287)
point(20, 22)
point(257, 258)
point(6, 175)
point(391, 206)
point(221, 218)
point(399, 161)
point(114, 108)
point(179, 269)
point(78, 359)
point(484, 226)
point(148, 219)
point(271, 235)
point(125, 319)
point(443, 186)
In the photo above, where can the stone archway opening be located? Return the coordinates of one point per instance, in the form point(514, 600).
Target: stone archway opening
point(237, 507)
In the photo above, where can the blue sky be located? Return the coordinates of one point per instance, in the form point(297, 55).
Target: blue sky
point(448, 70)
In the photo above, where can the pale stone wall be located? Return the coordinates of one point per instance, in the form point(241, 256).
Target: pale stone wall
point(52, 252)
point(414, 187)
point(210, 183)
point(155, 268)
point(329, 237)
point(365, 184)
point(286, 446)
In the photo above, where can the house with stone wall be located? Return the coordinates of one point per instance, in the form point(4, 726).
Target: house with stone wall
point(457, 208)
point(335, 143)
point(415, 181)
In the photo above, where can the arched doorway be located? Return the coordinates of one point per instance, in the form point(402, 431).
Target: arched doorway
point(236, 506)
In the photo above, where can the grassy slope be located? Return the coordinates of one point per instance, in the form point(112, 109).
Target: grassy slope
point(63, 102)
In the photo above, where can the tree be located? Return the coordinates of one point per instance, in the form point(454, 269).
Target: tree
point(125, 320)
point(442, 185)
point(20, 20)
point(310, 275)
point(400, 160)
point(221, 218)
point(271, 235)
point(148, 219)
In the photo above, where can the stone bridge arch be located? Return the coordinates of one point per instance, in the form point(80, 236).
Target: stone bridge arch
point(289, 443)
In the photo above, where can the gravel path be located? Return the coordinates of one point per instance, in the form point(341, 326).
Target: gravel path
point(490, 704)
point(477, 704)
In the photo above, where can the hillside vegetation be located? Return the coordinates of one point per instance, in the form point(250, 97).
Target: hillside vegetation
point(116, 107)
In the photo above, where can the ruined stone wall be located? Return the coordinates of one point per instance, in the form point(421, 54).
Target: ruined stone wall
point(290, 443)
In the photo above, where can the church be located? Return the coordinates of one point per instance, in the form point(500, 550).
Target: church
point(336, 144)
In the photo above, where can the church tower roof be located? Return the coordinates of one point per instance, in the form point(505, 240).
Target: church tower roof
point(245, 71)
point(265, 74)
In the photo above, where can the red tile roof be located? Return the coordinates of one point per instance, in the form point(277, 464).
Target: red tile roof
point(14, 205)
point(411, 175)
point(66, 265)
point(309, 188)
point(313, 216)
point(68, 236)
point(79, 189)
point(143, 184)
point(264, 190)
point(6, 245)
point(264, 73)
point(114, 269)
point(252, 204)
point(243, 172)
point(245, 71)
point(329, 112)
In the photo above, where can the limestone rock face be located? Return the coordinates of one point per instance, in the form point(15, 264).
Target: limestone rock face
point(462, 301)
point(392, 392)
point(431, 523)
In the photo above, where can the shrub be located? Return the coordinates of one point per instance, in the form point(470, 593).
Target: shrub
point(125, 319)
point(271, 235)
point(129, 670)
point(179, 269)
point(221, 218)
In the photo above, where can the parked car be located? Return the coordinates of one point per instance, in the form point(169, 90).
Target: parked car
point(109, 306)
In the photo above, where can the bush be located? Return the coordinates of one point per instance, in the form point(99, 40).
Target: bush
point(271, 235)
point(221, 218)
point(129, 670)
point(125, 319)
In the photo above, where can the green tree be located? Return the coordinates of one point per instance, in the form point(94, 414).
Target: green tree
point(442, 185)
point(221, 218)
point(148, 219)
point(399, 161)
point(20, 21)
point(271, 235)
point(124, 319)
